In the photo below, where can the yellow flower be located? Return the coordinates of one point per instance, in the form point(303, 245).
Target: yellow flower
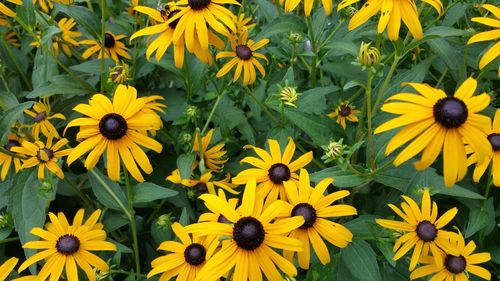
point(68, 246)
point(8, 12)
point(455, 267)
point(43, 155)
point(494, 51)
point(165, 38)
point(344, 111)
point(112, 47)
point(119, 74)
point(65, 40)
point(5, 159)
point(115, 127)
point(207, 184)
point(316, 209)
point(243, 24)
point(494, 139)
point(368, 56)
point(7, 267)
point(217, 216)
point(422, 228)
point(272, 170)
point(186, 259)
point(213, 158)
point(290, 5)
point(437, 122)
point(251, 235)
point(244, 56)
point(42, 116)
point(289, 96)
point(392, 13)
point(47, 5)
point(11, 37)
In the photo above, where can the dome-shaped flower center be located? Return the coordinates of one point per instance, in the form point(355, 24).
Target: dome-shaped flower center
point(44, 154)
point(450, 112)
point(243, 52)
point(40, 116)
point(344, 110)
point(495, 141)
point(201, 187)
point(68, 244)
point(11, 144)
point(426, 231)
point(223, 219)
point(194, 254)
point(454, 264)
point(109, 40)
point(113, 126)
point(248, 233)
point(198, 4)
point(175, 22)
point(307, 212)
point(278, 173)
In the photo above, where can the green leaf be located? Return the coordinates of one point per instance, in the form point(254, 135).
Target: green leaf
point(478, 219)
point(361, 260)
point(451, 57)
point(185, 164)
point(314, 100)
point(44, 69)
point(146, 192)
point(397, 177)
point(98, 182)
point(319, 129)
point(26, 12)
point(92, 66)
point(445, 31)
point(85, 18)
point(282, 25)
point(229, 116)
point(386, 249)
point(12, 115)
point(58, 85)
point(7, 100)
point(342, 47)
point(344, 179)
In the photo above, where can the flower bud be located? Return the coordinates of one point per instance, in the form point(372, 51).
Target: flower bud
point(368, 56)
point(289, 96)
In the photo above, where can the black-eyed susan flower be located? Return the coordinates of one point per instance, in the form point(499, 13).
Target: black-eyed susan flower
point(43, 155)
point(113, 47)
point(243, 23)
point(439, 122)
point(243, 54)
point(8, 266)
point(207, 183)
point(6, 160)
point(393, 12)
point(118, 127)
point(42, 115)
point(421, 228)
point(272, 170)
point(317, 210)
point(66, 39)
point(47, 5)
point(493, 159)
point(251, 236)
point(494, 34)
point(345, 111)
point(6, 10)
point(186, 258)
point(67, 247)
point(196, 16)
point(214, 157)
point(455, 267)
point(290, 5)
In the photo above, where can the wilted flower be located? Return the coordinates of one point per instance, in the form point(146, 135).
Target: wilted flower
point(119, 74)
point(289, 96)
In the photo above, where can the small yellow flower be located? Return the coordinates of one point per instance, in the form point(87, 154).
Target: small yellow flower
point(214, 158)
point(112, 47)
point(345, 111)
point(289, 96)
point(6, 160)
point(368, 56)
point(119, 74)
point(42, 116)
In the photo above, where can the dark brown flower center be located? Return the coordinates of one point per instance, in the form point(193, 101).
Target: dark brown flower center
point(223, 219)
point(68, 244)
point(454, 264)
point(248, 233)
point(40, 116)
point(278, 173)
point(198, 4)
point(113, 126)
point(44, 154)
point(243, 52)
point(344, 110)
point(194, 254)
point(11, 144)
point(494, 139)
point(426, 231)
point(307, 212)
point(450, 112)
point(201, 187)
point(109, 40)
point(175, 22)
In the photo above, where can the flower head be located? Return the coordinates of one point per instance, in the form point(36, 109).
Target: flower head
point(345, 111)
point(119, 74)
point(290, 5)
point(113, 47)
point(41, 116)
point(6, 160)
point(368, 56)
point(214, 157)
point(289, 96)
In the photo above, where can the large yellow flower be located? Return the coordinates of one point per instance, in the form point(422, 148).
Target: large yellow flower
point(165, 38)
point(290, 5)
point(43, 155)
point(213, 158)
point(455, 267)
point(7, 267)
point(5, 159)
point(436, 121)
point(272, 170)
point(345, 111)
point(8, 12)
point(422, 229)
point(42, 116)
point(252, 236)
point(186, 259)
point(244, 56)
point(67, 245)
point(392, 13)
point(494, 139)
point(112, 47)
point(118, 128)
point(316, 209)
point(494, 34)
point(205, 184)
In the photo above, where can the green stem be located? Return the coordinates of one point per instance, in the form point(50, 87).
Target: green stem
point(369, 161)
point(103, 36)
point(314, 50)
point(388, 78)
point(18, 67)
point(489, 183)
point(216, 104)
point(315, 161)
point(80, 194)
point(7, 240)
point(112, 194)
point(330, 36)
point(130, 193)
point(262, 106)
